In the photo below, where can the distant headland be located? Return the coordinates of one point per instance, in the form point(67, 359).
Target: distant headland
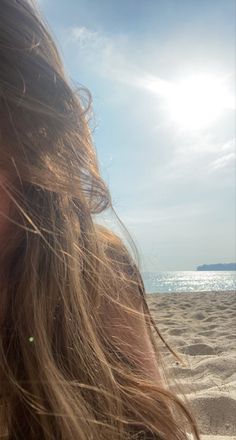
point(226, 266)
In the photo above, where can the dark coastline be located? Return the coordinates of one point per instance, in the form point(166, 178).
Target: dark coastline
point(218, 266)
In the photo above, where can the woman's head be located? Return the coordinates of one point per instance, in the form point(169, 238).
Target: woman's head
point(44, 130)
point(45, 141)
point(60, 375)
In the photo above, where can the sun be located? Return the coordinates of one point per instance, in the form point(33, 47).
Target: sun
point(198, 101)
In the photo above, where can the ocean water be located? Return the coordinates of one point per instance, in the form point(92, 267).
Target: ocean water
point(189, 281)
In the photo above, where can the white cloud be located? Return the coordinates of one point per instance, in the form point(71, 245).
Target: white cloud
point(229, 145)
point(112, 58)
point(223, 162)
point(226, 159)
point(87, 39)
point(100, 51)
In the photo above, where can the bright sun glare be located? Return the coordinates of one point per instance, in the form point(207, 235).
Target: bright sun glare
point(198, 101)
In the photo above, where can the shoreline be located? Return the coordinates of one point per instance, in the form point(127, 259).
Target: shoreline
point(201, 327)
point(192, 292)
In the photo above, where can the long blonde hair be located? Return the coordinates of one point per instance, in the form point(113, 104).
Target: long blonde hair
point(61, 375)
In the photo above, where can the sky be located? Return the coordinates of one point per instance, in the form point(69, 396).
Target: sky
point(161, 74)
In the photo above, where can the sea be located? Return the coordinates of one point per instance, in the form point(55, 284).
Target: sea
point(189, 281)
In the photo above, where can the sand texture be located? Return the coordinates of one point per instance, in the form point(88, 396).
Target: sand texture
point(202, 328)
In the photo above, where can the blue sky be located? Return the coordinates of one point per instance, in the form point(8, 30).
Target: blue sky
point(161, 73)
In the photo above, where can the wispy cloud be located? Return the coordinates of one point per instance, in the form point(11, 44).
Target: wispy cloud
point(86, 38)
point(222, 162)
point(112, 57)
point(229, 145)
point(226, 157)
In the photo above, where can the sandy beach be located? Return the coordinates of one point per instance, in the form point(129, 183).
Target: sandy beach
point(201, 327)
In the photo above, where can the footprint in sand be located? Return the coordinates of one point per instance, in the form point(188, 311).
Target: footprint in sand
point(198, 316)
point(215, 415)
point(233, 337)
point(198, 350)
point(207, 333)
point(176, 331)
point(212, 327)
point(210, 319)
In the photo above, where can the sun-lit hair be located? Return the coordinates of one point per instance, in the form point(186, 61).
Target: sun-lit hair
point(62, 376)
